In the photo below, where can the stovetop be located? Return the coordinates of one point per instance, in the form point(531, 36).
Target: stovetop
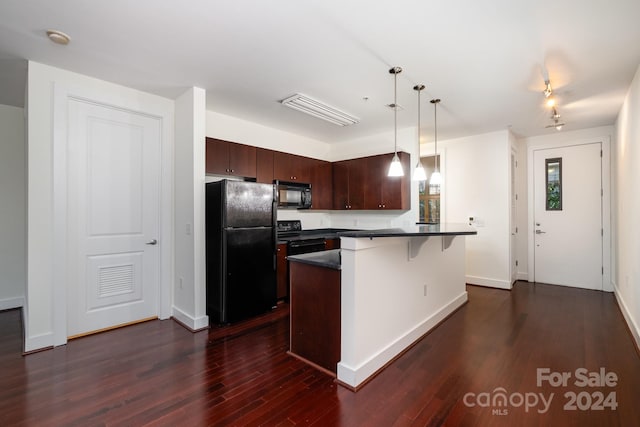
point(292, 230)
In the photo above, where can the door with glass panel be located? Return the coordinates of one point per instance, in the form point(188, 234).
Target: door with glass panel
point(568, 216)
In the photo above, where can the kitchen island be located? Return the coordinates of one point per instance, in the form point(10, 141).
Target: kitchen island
point(395, 286)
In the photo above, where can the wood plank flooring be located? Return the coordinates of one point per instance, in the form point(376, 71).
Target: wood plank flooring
point(158, 373)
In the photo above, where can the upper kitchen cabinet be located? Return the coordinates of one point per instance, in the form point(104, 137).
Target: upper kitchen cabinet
point(289, 167)
point(264, 165)
point(321, 184)
point(228, 158)
point(382, 191)
point(348, 184)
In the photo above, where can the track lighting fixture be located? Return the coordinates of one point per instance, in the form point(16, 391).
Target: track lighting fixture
point(550, 101)
point(555, 116)
point(547, 90)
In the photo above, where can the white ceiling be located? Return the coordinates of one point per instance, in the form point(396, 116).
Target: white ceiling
point(486, 60)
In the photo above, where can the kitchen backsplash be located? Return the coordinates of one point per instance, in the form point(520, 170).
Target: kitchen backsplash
point(361, 219)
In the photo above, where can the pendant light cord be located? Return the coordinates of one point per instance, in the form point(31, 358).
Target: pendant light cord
point(435, 125)
point(436, 178)
point(419, 90)
point(395, 113)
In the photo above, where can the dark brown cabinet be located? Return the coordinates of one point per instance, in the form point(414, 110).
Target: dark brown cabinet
point(264, 165)
point(321, 184)
point(289, 167)
point(228, 158)
point(332, 244)
point(315, 315)
point(382, 191)
point(282, 271)
point(348, 184)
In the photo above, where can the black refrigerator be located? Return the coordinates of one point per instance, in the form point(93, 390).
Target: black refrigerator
point(241, 250)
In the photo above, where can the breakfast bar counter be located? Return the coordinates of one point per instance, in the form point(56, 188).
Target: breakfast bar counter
point(396, 285)
point(355, 309)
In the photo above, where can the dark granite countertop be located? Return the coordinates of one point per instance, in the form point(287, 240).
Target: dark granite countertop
point(328, 259)
point(415, 230)
point(319, 233)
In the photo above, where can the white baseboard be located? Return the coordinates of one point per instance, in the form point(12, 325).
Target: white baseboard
point(38, 342)
point(356, 376)
point(9, 303)
point(633, 326)
point(193, 323)
point(523, 276)
point(490, 283)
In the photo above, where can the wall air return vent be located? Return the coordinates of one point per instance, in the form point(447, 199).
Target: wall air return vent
point(320, 110)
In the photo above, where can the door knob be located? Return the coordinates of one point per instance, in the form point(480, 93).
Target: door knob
point(152, 242)
point(540, 232)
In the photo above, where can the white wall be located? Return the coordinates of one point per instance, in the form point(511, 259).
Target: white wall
point(189, 297)
point(476, 184)
point(626, 208)
point(13, 207)
point(45, 308)
point(241, 131)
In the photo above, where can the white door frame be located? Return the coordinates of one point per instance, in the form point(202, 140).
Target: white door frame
point(136, 105)
point(513, 214)
point(606, 202)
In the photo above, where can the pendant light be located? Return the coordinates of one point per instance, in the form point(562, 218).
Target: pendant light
point(418, 173)
point(436, 178)
point(395, 169)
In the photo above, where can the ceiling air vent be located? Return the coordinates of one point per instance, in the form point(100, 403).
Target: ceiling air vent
point(318, 109)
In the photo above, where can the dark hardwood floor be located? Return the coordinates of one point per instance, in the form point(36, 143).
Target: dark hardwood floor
point(158, 373)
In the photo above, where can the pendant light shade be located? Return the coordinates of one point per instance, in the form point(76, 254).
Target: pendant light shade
point(418, 173)
point(436, 178)
point(395, 169)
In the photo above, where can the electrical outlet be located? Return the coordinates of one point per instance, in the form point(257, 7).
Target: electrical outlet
point(425, 290)
point(180, 282)
point(187, 229)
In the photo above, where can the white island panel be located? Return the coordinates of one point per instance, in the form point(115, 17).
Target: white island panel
point(394, 290)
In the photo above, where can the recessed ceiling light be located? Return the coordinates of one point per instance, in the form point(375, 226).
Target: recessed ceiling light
point(58, 37)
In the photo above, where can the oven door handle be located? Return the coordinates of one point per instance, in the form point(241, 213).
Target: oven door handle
point(304, 243)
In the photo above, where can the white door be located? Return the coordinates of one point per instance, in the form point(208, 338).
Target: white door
point(113, 217)
point(568, 216)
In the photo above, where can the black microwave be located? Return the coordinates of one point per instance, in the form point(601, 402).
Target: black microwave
point(294, 195)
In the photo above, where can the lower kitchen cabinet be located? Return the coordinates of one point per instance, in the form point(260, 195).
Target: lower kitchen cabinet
point(315, 315)
point(332, 244)
point(282, 284)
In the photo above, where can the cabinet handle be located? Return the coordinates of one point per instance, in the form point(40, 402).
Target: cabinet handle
point(231, 170)
point(226, 170)
point(384, 206)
